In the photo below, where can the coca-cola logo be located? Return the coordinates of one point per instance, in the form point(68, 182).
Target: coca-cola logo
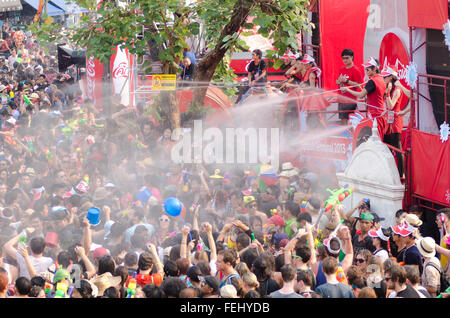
point(121, 70)
point(90, 67)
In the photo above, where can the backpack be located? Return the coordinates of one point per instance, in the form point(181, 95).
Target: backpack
point(444, 279)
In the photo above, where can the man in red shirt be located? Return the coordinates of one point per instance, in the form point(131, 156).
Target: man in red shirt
point(374, 91)
point(349, 76)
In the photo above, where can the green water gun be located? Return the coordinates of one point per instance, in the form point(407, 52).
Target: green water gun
point(26, 100)
point(446, 291)
point(337, 196)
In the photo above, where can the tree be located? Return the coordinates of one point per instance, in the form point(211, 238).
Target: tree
point(168, 23)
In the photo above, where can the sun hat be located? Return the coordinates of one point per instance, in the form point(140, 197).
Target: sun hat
point(105, 281)
point(61, 274)
point(100, 194)
point(426, 246)
point(288, 170)
point(328, 242)
point(379, 234)
point(371, 62)
point(228, 291)
point(403, 229)
point(99, 252)
point(307, 59)
point(413, 219)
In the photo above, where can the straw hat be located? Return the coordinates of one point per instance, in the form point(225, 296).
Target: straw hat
point(426, 246)
point(105, 281)
point(288, 170)
point(413, 220)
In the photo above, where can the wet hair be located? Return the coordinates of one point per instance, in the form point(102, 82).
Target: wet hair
point(153, 291)
point(170, 269)
point(348, 52)
point(111, 292)
point(37, 245)
point(106, 264)
point(85, 289)
point(258, 52)
point(23, 285)
point(172, 286)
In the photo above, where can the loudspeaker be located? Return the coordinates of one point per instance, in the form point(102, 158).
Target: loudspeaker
point(68, 57)
point(438, 63)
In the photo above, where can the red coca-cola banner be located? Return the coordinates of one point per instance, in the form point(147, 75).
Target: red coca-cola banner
point(334, 37)
point(431, 167)
point(94, 73)
point(122, 75)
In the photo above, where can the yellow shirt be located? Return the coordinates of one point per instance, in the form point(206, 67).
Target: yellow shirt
point(444, 259)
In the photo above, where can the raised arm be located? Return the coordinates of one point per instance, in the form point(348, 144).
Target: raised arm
point(22, 249)
point(90, 268)
point(211, 242)
point(158, 264)
point(347, 247)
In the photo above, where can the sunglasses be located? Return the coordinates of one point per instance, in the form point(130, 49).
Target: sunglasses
point(360, 260)
point(163, 220)
point(387, 278)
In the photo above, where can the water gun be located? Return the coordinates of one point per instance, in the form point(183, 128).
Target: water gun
point(26, 100)
point(86, 178)
point(61, 290)
point(446, 291)
point(340, 275)
point(185, 181)
point(337, 196)
point(303, 207)
point(139, 144)
point(48, 154)
point(131, 290)
point(48, 290)
point(253, 237)
point(274, 212)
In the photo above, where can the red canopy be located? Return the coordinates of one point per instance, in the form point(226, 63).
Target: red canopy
point(429, 14)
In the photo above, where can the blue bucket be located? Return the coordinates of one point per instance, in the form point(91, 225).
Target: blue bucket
point(93, 215)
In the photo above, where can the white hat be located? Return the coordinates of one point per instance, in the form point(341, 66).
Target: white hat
point(371, 62)
point(228, 291)
point(307, 59)
point(288, 170)
point(426, 246)
point(413, 219)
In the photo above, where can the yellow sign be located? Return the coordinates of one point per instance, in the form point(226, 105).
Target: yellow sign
point(164, 82)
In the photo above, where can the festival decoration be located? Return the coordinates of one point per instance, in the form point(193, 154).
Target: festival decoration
point(173, 206)
point(131, 289)
point(411, 75)
point(444, 131)
point(144, 195)
point(355, 119)
point(446, 32)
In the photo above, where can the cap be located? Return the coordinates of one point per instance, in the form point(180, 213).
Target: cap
point(379, 234)
point(376, 218)
point(389, 70)
point(307, 59)
point(371, 62)
point(248, 199)
point(211, 281)
point(277, 220)
point(61, 274)
point(99, 252)
point(333, 245)
point(366, 216)
point(403, 229)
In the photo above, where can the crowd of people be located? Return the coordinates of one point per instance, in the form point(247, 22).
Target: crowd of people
point(61, 161)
